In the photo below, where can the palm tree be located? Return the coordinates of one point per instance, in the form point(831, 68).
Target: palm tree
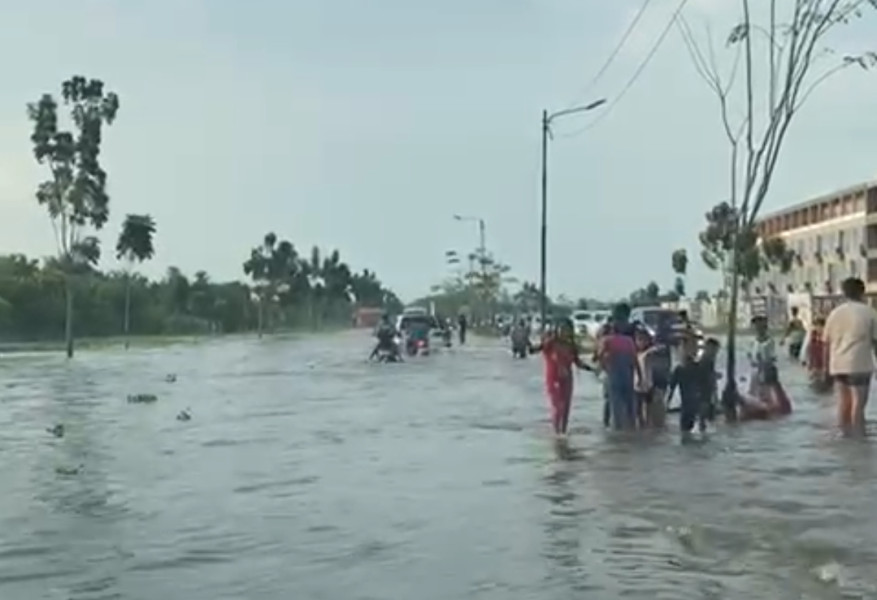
point(135, 244)
point(337, 278)
point(272, 266)
point(679, 262)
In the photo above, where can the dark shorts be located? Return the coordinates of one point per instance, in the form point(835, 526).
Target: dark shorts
point(770, 375)
point(660, 380)
point(687, 419)
point(853, 379)
point(643, 398)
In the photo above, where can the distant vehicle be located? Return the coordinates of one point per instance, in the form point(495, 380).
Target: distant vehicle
point(588, 322)
point(662, 322)
point(504, 323)
point(414, 310)
point(404, 321)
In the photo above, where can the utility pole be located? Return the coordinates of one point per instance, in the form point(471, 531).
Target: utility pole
point(543, 238)
point(482, 246)
point(547, 119)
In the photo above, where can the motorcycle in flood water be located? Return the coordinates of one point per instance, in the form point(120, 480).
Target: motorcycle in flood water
point(387, 355)
point(417, 347)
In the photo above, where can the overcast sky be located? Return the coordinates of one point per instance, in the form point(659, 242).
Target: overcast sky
point(366, 124)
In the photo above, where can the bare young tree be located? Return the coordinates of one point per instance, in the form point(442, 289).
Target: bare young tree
point(789, 39)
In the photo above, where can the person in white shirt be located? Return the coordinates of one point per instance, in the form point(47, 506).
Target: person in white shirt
point(850, 344)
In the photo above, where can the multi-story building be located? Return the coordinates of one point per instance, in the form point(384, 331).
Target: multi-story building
point(833, 237)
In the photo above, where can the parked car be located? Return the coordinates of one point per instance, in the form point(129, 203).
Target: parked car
point(663, 321)
point(588, 322)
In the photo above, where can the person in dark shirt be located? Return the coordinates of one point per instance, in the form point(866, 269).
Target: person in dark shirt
point(696, 381)
point(386, 334)
point(707, 361)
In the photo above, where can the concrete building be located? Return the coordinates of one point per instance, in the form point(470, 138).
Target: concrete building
point(833, 237)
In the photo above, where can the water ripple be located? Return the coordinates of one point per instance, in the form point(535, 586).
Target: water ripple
point(308, 472)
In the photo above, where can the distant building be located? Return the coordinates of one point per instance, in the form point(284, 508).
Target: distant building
point(367, 317)
point(833, 237)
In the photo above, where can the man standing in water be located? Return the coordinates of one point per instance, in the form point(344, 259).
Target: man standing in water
point(850, 344)
point(462, 323)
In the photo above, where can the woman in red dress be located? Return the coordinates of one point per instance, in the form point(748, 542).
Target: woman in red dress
point(560, 352)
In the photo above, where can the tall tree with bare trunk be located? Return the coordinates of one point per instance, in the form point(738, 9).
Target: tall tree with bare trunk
point(75, 193)
point(779, 52)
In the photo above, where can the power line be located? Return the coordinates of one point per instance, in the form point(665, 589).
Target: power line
point(614, 54)
point(639, 71)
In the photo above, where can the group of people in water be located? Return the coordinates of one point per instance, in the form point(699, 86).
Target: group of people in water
point(638, 374)
point(642, 375)
point(643, 371)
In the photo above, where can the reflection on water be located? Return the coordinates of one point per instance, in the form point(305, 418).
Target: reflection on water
point(306, 472)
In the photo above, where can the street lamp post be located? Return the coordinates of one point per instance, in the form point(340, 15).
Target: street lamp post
point(547, 119)
point(482, 246)
point(482, 249)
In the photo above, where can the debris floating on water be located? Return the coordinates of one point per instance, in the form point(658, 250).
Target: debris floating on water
point(828, 573)
point(69, 470)
point(57, 430)
point(170, 377)
point(184, 415)
point(142, 398)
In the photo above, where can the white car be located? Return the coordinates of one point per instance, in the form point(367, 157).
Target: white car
point(653, 317)
point(588, 322)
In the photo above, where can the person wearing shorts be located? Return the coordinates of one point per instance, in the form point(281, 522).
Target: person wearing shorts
point(850, 342)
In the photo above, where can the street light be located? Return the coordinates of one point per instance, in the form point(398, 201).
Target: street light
point(547, 119)
point(481, 246)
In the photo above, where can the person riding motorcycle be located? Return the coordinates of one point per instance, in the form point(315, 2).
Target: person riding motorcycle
point(446, 332)
point(386, 334)
point(417, 334)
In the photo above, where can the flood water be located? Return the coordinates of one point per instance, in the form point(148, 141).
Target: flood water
point(306, 472)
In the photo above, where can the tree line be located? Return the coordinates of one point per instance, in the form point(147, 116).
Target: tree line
point(111, 303)
point(290, 289)
point(67, 292)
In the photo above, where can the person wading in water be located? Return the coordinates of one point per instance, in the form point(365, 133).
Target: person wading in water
point(795, 334)
point(561, 353)
point(850, 344)
point(462, 324)
point(618, 359)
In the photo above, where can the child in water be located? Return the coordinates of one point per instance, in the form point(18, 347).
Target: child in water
point(696, 382)
point(561, 352)
point(813, 355)
point(650, 382)
point(767, 398)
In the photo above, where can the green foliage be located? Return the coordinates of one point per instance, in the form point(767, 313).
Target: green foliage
point(482, 290)
point(651, 295)
point(679, 261)
point(679, 287)
point(33, 305)
point(755, 255)
point(75, 194)
point(488, 280)
point(290, 288)
point(135, 241)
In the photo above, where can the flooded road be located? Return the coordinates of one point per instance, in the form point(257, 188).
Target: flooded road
point(307, 473)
